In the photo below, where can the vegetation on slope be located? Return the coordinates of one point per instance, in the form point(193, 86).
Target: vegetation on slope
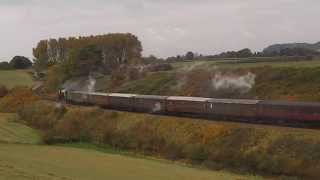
point(17, 98)
point(153, 83)
point(272, 83)
point(288, 83)
point(255, 149)
point(50, 162)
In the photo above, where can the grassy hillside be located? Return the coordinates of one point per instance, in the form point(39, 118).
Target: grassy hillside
point(12, 132)
point(49, 162)
point(278, 80)
point(274, 81)
point(287, 83)
point(155, 83)
point(14, 78)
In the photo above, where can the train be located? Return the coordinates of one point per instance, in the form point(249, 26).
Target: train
point(246, 110)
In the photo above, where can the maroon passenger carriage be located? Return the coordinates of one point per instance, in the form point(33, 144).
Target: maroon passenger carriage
point(295, 112)
point(255, 111)
point(150, 104)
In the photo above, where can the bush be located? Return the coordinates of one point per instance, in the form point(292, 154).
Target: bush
point(159, 67)
point(118, 77)
point(5, 66)
point(3, 91)
point(16, 99)
point(56, 77)
point(196, 82)
point(20, 62)
point(196, 152)
point(41, 115)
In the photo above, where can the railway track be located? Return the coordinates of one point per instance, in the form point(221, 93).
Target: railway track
point(285, 113)
point(261, 124)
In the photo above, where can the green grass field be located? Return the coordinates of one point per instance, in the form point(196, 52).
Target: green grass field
point(14, 78)
point(48, 162)
point(12, 132)
point(21, 158)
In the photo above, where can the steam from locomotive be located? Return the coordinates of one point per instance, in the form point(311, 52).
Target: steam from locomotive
point(87, 84)
point(91, 84)
point(241, 83)
point(156, 108)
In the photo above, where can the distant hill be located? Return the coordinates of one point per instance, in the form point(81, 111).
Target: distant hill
point(279, 47)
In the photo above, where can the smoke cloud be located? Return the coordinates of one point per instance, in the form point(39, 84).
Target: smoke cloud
point(81, 84)
point(157, 108)
point(241, 83)
point(193, 66)
point(91, 84)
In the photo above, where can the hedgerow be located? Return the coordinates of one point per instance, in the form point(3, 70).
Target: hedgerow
point(17, 98)
point(244, 148)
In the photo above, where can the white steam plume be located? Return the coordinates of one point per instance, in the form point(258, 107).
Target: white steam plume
point(91, 84)
point(193, 66)
point(157, 107)
point(242, 83)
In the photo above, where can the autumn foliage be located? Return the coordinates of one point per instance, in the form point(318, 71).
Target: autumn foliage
point(17, 98)
point(3, 91)
point(213, 145)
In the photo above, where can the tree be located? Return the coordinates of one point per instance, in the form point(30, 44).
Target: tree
point(244, 53)
point(116, 49)
point(298, 52)
point(5, 65)
point(20, 62)
point(86, 60)
point(40, 53)
point(72, 57)
point(150, 59)
point(189, 55)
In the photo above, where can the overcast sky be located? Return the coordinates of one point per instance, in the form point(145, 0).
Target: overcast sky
point(165, 27)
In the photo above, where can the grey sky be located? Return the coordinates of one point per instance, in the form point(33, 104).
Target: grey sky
point(165, 27)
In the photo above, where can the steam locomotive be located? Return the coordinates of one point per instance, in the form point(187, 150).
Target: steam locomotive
point(254, 111)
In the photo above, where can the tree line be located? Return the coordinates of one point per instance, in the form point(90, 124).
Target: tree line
point(80, 55)
point(246, 53)
point(17, 62)
point(67, 58)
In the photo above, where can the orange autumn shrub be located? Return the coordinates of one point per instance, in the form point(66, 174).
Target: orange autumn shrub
point(3, 91)
point(17, 98)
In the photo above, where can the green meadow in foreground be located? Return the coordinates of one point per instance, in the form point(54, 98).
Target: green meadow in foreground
point(21, 158)
point(50, 162)
point(14, 78)
point(12, 132)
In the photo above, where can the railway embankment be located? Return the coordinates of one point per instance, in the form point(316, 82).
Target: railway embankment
point(296, 81)
point(266, 150)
